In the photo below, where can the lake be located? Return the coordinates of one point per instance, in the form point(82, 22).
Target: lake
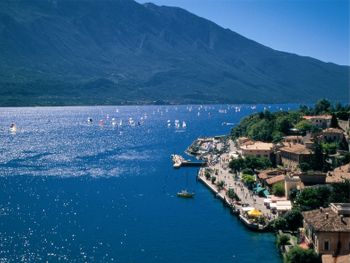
point(74, 191)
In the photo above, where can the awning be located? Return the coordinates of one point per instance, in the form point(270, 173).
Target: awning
point(266, 193)
point(255, 212)
point(248, 208)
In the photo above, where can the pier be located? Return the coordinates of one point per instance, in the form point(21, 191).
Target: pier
point(179, 161)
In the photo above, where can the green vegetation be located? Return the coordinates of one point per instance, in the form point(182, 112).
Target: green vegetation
point(313, 197)
point(282, 240)
point(271, 127)
point(220, 185)
point(299, 255)
point(250, 162)
point(291, 220)
point(248, 180)
point(320, 196)
point(213, 179)
point(278, 189)
point(232, 194)
point(266, 126)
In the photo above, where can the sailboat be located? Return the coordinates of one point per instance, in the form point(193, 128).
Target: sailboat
point(184, 193)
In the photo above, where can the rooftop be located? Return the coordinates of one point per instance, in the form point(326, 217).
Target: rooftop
point(296, 148)
point(325, 117)
point(333, 130)
point(262, 146)
point(327, 220)
point(275, 179)
point(339, 174)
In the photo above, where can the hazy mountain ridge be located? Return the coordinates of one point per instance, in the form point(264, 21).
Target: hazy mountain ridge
point(118, 51)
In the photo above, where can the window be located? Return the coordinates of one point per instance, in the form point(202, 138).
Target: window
point(326, 245)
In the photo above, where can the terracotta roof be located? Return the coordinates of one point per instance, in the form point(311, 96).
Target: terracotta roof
point(339, 174)
point(319, 221)
point(275, 179)
point(263, 175)
point(333, 130)
point(269, 173)
point(338, 259)
point(263, 146)
point(296, 148)
point(326, 117)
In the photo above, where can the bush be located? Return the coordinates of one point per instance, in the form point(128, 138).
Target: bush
point(299, 255)
point(282, 240)
point(278, 189)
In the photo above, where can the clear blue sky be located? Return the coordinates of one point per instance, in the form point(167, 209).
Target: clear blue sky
point(316, 28)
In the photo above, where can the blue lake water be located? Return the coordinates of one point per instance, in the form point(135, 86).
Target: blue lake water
point(77, 192)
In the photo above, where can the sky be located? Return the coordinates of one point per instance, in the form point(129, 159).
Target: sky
point(315, 28)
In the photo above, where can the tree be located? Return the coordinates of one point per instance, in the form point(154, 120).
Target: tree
point(294, 219)
point(249, 180)
point(313, 197)
point(278, 189)
point(213, 178)
point(340, 192)
point(221, 185)
point(231, 194)
point(237, 164)
point(280, 223)
point(322, 106)
point(334, 122)
point(248, 171)
point(299, 255)
point(304, 126)
point(304, 167)
point(207, 174)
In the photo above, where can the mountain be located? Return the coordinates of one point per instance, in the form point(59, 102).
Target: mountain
point(74, 52)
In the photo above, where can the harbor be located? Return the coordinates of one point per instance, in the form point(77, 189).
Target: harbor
point(216, 152)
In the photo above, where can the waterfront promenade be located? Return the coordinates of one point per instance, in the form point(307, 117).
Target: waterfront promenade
point(222, 173)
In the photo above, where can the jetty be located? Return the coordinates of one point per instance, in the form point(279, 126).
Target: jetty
point(179, 161)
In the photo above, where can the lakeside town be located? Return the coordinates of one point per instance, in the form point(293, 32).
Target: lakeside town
point(289, 173)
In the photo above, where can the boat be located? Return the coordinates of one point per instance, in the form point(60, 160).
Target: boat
point(185, 194)
point(184, 125)
point(13, 128)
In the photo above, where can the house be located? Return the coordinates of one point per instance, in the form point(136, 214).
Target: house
point(257, 149)
point(328, 229)
point(292, 155)
point(321, 121)
point(332, 135)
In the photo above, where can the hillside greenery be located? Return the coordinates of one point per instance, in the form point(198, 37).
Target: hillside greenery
point(272, 126)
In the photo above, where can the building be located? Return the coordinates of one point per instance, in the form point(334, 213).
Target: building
point(292, 182)
point(321, 121)
point(291, 155)
point(328, 229)
point(332, 135)
point(257, 149)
